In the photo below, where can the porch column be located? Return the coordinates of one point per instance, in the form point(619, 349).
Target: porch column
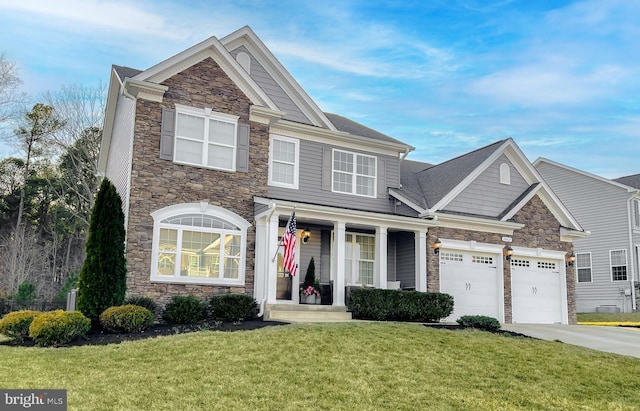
point(339, 228)
point(272, 264)
point(421, 260)
point(380, 272)
point(260, 271)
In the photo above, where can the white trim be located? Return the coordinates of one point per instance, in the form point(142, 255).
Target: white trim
point(539, 253)
point(505, 174)
point(198, 208)
point(590, 267)
point(406, 201)
point(296, 163)
point(626, 265)
point(354, 174)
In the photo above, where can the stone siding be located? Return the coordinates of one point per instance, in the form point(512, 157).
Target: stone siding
point(541, 230)
point(157, 183)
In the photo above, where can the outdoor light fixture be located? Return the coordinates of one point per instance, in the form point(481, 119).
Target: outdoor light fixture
point(571, 259)
point(508, 252)
point(436, 246)
point(305, 235)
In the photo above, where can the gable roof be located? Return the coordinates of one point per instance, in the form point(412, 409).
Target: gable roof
point(349, 126)
point(631, 181)
point(614, 182)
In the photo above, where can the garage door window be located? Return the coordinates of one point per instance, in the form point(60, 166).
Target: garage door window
point(480, 259)
point(444, 256)
point(520, 263)
point(546, 265)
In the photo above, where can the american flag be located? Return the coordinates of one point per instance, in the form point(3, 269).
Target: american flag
point(289, 244)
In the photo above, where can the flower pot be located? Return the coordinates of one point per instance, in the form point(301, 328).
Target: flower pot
point(308, 299)
point(318, 300)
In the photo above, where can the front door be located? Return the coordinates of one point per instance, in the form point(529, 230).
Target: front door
point(287, 285)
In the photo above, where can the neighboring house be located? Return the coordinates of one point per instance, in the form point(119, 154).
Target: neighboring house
point(213, 148)
point(607, 260)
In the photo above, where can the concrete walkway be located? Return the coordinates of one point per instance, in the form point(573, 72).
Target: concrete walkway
point(618, 340)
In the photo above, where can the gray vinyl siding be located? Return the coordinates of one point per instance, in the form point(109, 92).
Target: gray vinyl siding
point(311, 182)
point(272, 89)
point(391, 257)
point(405, 259)
point(119, 161)
point(486, 196)
point(308, 250)
point(601, 208)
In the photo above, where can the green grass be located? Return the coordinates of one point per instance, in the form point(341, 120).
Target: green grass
point(347, 366)
point(609, 317)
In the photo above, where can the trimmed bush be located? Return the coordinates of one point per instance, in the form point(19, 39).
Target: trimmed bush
point(233, 307)
point(16, 324)
point(184, 310)
point(126, 318)
point(397, 305)
point(146, 302)
point(58, 327)
point(481, 322)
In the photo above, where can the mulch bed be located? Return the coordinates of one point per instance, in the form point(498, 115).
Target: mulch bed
point(157, 330)
point(462, 327)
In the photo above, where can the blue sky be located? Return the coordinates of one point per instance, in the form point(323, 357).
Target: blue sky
point(560, 77)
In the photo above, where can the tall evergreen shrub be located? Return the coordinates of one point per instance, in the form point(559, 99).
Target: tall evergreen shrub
point(102, 282)
point(310, 277)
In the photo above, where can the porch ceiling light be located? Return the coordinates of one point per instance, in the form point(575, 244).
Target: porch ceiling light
point(436, 246)
point(508, 252)
point(571, 259)
point(305, 235)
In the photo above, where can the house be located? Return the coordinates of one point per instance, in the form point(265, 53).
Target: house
point(607, 261)
point(214, 148)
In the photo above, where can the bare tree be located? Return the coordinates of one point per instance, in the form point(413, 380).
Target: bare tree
point(11, 99)
point(23, 260)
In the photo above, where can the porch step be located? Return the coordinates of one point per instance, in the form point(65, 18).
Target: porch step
point(306, 313)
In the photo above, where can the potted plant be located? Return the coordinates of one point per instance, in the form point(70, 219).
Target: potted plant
point(309, 292)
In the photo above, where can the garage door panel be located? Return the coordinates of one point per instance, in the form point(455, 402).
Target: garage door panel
point(472, 279)
point(536, 291)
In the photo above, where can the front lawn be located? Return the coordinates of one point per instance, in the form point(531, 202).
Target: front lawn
point(614, 318)
point(346, 366)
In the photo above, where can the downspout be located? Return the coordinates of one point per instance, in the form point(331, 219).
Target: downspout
point(263, 300)
point(631, 250)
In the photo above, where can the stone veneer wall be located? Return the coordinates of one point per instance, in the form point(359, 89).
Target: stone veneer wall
point(157, 183)
point(541, 230)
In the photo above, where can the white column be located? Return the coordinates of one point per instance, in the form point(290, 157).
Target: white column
point(272, 263)
point(380, 272)
point(421, 260)
point(260, 270)
point(338, 252)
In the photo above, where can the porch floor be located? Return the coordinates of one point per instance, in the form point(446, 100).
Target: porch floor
point(309, 313)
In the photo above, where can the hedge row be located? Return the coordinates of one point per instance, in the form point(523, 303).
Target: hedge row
point(397, 305)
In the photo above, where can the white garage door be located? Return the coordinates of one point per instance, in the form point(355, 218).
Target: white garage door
point(536, 290)
point(473, 281)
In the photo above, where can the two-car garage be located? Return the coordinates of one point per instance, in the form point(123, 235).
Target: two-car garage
point(473, 274)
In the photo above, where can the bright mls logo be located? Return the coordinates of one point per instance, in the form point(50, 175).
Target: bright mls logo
point(41, 400)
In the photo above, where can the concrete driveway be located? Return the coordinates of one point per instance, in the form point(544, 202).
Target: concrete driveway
point(618, 340)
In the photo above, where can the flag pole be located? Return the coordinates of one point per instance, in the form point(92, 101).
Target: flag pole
point(280, 241)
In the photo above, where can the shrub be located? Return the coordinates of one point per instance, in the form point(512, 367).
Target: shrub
point(398, 305)
point(16, 324)
point(58, 327)
point(184, 310)
point(26, 292)
point(126, 318)
point(233, 307)
point(481, 322)
point(146, 302)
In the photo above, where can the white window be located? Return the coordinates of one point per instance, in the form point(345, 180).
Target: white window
point(583, 267)
point(505, 174)
point(360, 253)
point(198, 243)
point(354, 173)
point(283, 161)
point(636, 213)
point(205, 138)
point(618, 260)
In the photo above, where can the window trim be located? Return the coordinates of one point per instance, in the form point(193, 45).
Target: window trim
point(296, 164)
point(206, 114)
point(590, 267)
point(198, 208)
point(505, 174)
point(635, 213)
point(626, 265)
point(354, 261)
point(354, 174)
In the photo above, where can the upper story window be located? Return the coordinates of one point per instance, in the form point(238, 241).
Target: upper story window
point(618, 260)
point(583, 267)
point(205, 138)
point(505, 174)
point(198, 243)
point(636, 213)
point(354, 173)
point(284, 156)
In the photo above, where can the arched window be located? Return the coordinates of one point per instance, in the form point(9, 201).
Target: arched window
point(505, 174)
point(198, 243)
